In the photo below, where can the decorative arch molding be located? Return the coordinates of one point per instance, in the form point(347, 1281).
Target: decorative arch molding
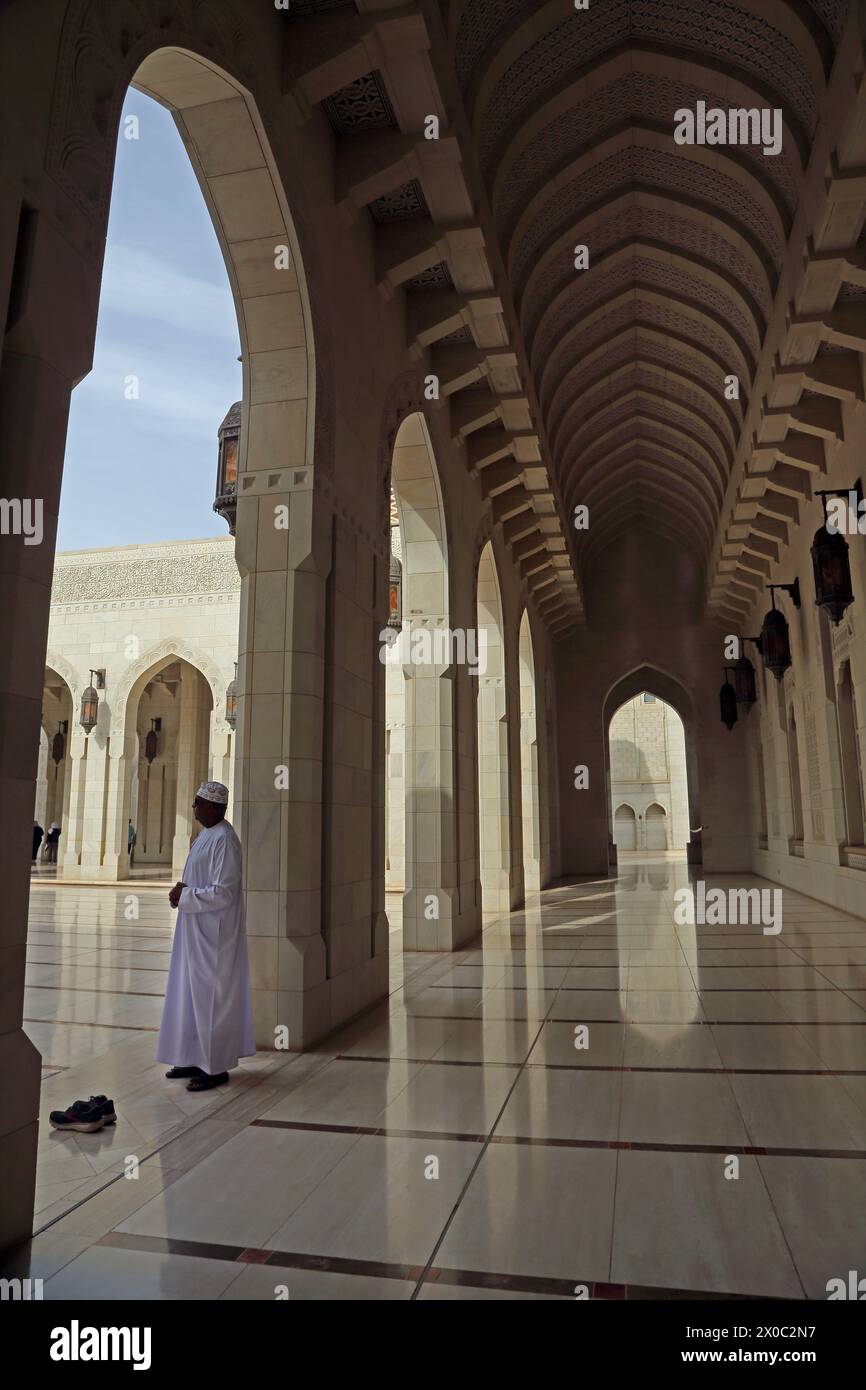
point(655, 680)
point(61, 667)
point(149, 664)
point(428, 513)
point(201, 55)
point(101, 49)
point(404, 397)
point(666, 687)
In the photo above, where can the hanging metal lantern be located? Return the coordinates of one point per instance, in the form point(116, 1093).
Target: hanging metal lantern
point(151, 743)
point(776, 642)
point(744, 683)
point(58, 745)
point(831, 566)
point(775, 636)
point(232, 701)
point(728, 703)
point(395, 594)
point(229, 436)
point(89, 707)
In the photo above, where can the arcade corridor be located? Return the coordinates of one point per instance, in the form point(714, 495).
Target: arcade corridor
point(557, 1166)
point(536, 612)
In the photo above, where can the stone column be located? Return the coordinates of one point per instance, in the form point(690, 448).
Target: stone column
point(48, 300)
point(278, 760)
point(95, 799)
point(493, 796)
point(186, 757)
point(72, 825)
point(44, 807)
point(430, 903)
point(122, 752)
point(530, 802)
point(222, 760)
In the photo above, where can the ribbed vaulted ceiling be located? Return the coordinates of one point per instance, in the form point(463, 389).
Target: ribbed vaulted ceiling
point(572, 114)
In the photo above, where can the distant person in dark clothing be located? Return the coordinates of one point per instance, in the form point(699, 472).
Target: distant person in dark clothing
point(51, 842)
point(38, 832)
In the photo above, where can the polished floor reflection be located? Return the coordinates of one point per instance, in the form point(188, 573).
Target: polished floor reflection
point(593, 1099)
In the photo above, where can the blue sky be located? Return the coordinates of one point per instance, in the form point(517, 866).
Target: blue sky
point(145, 470)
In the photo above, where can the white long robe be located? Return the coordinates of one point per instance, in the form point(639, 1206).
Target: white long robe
point(207, 1021)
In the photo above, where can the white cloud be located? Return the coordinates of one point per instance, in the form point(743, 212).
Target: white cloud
point(144, 286)
point(191, 403)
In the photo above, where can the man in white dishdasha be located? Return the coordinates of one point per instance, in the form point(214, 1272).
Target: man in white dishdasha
point(207, 1021)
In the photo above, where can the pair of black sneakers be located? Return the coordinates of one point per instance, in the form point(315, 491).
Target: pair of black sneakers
point(85, 1116)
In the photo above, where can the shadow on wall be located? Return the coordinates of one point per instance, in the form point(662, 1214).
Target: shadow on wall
point(643, 584)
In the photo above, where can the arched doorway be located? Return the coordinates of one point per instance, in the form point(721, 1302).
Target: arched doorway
point(172, 718)
point(52, 785)
point(420, 848)
point(652, 763)
point(494, 801)
point(655, 827)
point(625, 828)
point(529, 762)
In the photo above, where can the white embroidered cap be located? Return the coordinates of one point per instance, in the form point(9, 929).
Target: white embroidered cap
point(214, 791)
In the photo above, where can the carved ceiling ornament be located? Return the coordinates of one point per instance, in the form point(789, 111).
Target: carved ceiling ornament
point(101, 48)
point(405, 397)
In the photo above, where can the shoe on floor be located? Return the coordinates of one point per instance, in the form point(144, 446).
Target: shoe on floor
point(81, 1117)
point(101, 1103)
point(181, 1073)
point(203, 1082)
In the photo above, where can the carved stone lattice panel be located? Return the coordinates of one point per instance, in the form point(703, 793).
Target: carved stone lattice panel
point(591, 287)
point(656, 382)
point(480, 24)
point(363, 105)
point(638, 95)
point(687, 235)
point(832, 14)
point(405, 204)
point(661, 169)
point(435, 277)
point(665, 317)
point(459, 335)
point(200, 570)
point(655, 434)
point(734, 39)
point(665, 354)
point(662, 409)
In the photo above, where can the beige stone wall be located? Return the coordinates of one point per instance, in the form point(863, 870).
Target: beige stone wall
point(648, 769)
point(132, 612)
point(824, 692)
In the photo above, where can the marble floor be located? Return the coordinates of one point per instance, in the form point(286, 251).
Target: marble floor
point(592, 1099)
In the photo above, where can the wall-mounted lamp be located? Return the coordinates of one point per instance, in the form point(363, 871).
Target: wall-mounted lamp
point(830, 564)
point(151, 743)
point(728, 700)
point(232, 701)
point(90, 702)
point(775, 638)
